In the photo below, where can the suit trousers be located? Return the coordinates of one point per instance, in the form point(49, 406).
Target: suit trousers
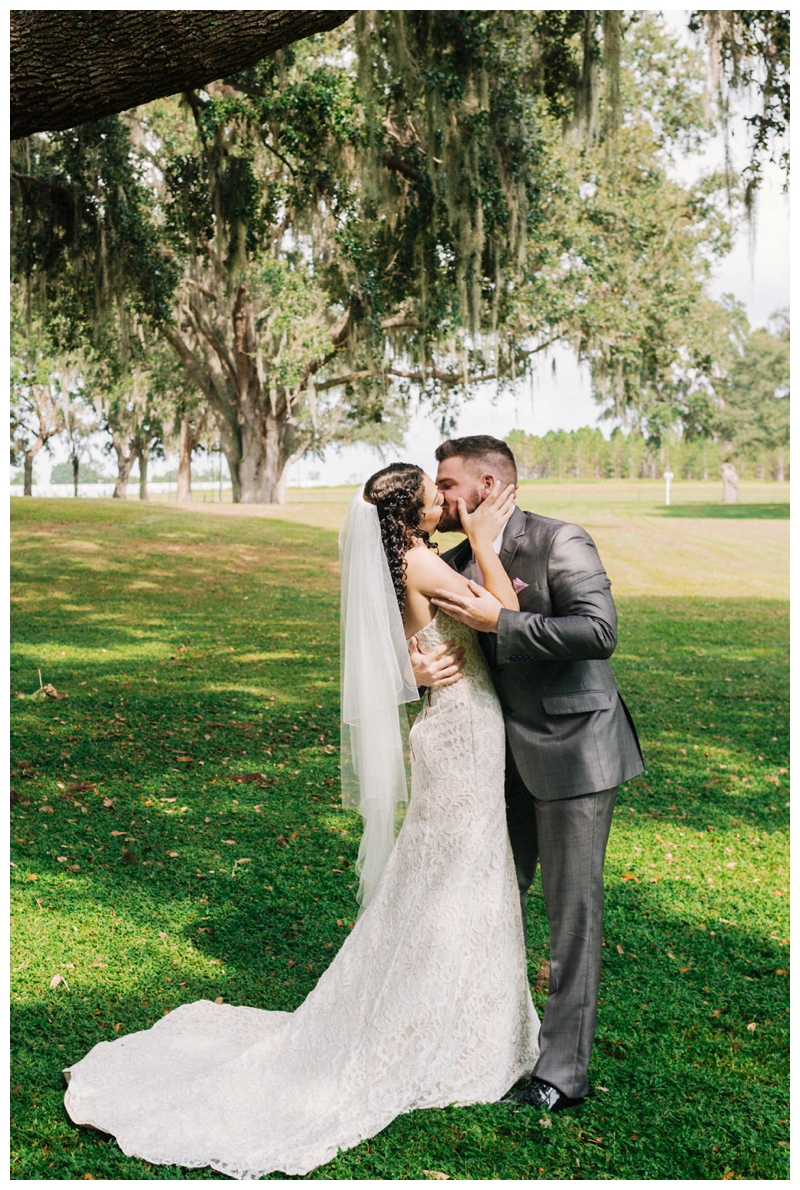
point(568, 837)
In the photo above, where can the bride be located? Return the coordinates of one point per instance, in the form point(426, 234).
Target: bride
point(427, 1003)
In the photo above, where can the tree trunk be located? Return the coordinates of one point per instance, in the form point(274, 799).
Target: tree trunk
point(144, 456)
point(266, 454)
point(75, 471)
point(780, 473)
point(72, 66)
point(730, 484)
point(125, 463)
point(29, 456)
point(185, 460)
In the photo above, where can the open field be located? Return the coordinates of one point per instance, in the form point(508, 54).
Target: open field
point(695, 547)
point(176, 831)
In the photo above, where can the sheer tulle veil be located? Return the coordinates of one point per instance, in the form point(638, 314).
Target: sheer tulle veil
point(377, 681)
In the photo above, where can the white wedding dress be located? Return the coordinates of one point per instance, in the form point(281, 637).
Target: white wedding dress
point(427, 1003)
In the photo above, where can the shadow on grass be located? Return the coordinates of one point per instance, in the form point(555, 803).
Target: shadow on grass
point(680, 987)
point(728, 512)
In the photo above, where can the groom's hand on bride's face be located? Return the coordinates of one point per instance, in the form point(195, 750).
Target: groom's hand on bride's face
point(479, 610)
point(441, 667)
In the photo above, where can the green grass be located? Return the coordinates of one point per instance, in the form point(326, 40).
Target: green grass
point(731, 512)
point(197, 650)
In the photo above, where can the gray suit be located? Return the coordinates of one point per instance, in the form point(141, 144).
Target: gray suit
point(571, 742)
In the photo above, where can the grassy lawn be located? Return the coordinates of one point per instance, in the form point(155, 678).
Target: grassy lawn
point(177, 834)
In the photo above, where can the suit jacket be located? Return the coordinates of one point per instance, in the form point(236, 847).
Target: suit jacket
point(569, 730)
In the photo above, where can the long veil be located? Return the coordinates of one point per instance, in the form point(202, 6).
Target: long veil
point(376, 681)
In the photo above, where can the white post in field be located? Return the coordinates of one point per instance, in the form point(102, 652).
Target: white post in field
point(668, 476)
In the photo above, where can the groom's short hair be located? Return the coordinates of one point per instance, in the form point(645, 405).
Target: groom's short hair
point(483, 450)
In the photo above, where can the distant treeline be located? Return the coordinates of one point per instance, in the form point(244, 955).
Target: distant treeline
point(587, 454)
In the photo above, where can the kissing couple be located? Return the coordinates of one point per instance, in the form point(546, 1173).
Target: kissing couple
point(516, 758)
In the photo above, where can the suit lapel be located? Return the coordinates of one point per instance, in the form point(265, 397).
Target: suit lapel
point(513, 535)
point(459, 556)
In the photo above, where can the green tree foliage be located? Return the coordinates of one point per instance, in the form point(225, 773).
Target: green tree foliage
point(430, 198)
point(749, 51)
point(747, 409)
point(84, 246)
point(63, 473)
point(620, 266)
point(587, 454)
point(36, 389)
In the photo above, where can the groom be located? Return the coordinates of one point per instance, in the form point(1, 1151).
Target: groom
point(570, 740)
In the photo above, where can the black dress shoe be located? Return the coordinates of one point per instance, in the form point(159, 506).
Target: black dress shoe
point(540, 1095)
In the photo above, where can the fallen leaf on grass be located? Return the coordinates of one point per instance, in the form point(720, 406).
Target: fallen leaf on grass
point(780, 971)
point(546, 1122)
point(80, 787)
point(56, 980)
point(231, 842)
point(73, 867)
point(436, 1175)
point(88, 1177)
point(619, 948)
point(32, 876)
point(61, 859)
point(173, 854)
point(108, 803)
point(751, 1028)
point(219, 1000)
point(543, 976)
point(628, 876)
point(685, 969)
point(115, 834)
point(601, 1089)
point(282, 841)
point(716, 1012)
point(726, 1177)
point(46, 809)
point(117, 1027)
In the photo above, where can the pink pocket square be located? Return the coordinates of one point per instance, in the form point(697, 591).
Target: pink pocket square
point(518, 584)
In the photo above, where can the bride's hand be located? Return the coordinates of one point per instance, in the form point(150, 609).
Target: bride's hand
point(489, 518)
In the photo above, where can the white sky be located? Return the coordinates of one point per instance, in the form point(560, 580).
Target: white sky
point(560, 397)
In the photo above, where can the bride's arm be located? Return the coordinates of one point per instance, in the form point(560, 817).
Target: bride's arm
point(426, 573)
point(482, 527)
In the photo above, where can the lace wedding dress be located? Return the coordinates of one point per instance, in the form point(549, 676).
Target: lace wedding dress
point(426, 1004)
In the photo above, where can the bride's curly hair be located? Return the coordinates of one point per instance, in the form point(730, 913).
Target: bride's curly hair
point(398, 493)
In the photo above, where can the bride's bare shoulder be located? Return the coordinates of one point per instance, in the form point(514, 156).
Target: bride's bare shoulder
point(426, 571)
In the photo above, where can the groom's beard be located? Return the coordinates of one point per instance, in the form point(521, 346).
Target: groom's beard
point(450, 521)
